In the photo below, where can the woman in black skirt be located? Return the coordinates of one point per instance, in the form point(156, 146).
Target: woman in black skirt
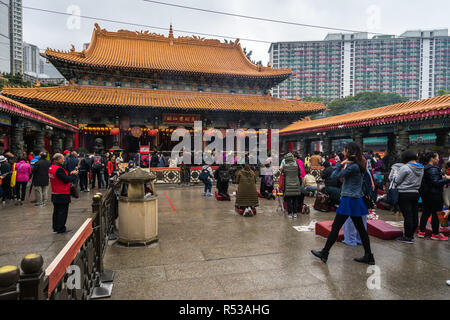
point(352, 170)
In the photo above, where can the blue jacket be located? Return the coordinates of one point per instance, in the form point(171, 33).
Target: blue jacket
point(352, 185)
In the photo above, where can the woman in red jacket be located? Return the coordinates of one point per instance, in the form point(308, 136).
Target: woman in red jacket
point(109, 168)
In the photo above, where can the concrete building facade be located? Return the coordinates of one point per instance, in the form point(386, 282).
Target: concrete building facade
point(16, 35)
point(415, 65)
point(36, 68)
point(5, 51)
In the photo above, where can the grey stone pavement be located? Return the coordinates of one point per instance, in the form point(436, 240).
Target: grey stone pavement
point(206, 251)
point(28, 229)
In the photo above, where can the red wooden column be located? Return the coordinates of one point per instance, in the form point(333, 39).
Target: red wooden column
point(76, 141)
point(290, 146)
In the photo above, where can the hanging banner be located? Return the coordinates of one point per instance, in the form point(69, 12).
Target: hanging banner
point(182, 119)
point(144, 149)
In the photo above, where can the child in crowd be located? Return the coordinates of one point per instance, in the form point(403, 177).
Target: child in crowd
point(205, 177)
point(309, 182)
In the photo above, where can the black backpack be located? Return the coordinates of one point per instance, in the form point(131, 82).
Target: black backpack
point(204, 174)
point(224, 175)
point(369, 195)
point(424, 186)
point(84, 165)
point(97, 163)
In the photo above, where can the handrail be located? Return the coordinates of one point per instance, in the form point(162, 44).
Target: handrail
point(57, 269)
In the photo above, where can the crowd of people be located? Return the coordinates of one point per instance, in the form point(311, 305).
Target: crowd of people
point(354, 183)
point(401, 185)
point(65, 173)
point(351, 181)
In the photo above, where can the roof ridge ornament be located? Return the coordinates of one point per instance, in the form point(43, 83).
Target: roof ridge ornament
point(171, 32)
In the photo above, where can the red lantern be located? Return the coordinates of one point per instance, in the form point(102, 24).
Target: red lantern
point(153, 133)
point(115, 132)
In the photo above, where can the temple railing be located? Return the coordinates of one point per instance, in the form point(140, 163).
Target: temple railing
point(172, 175)
point(77, 272)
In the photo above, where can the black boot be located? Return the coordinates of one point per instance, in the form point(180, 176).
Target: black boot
point(367, 258)
point(323, 255)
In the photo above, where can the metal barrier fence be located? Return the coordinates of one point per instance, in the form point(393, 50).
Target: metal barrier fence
point(172, 175)
point(77, 272)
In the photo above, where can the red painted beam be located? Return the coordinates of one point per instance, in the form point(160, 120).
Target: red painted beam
point(28, 114)
point(373, 122)
point(56, 270)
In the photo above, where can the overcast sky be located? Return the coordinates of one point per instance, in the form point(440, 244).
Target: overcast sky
point(381, 16)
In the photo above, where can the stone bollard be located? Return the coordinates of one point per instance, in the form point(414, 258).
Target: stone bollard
point(33, 283)
point(9, 275)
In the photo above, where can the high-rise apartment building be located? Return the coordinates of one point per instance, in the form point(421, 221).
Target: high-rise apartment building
point(5, 51)
point(35, 67)
point(15, 35)
point(31, 59)
point(415, 65)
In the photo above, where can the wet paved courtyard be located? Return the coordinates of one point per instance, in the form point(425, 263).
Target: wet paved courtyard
point(206, 251)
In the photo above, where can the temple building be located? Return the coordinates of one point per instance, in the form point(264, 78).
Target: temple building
point(419, 125)
point(134, 88)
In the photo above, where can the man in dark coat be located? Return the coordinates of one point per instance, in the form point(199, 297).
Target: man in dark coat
point(85, 167)
point(40, 179)
point(154, 160)
point(71, 163)
point(332, 185)
point(5, 176)
point(138, 159)
point(222, 176)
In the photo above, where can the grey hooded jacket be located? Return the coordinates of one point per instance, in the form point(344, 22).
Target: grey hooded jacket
point(409, 178)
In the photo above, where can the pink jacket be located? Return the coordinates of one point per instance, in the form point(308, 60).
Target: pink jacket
point(23, 171)
point(302, 167)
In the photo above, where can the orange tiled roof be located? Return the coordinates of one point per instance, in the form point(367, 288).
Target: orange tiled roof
point(29, 112)
point(150, 51)
point(391, 113)
point(170, 99)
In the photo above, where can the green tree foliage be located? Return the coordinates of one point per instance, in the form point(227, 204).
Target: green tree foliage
point(8, 79)
point(13, 80)
point(60, 83)
point(362, 101)
point(443, 92)
point(315, 99)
